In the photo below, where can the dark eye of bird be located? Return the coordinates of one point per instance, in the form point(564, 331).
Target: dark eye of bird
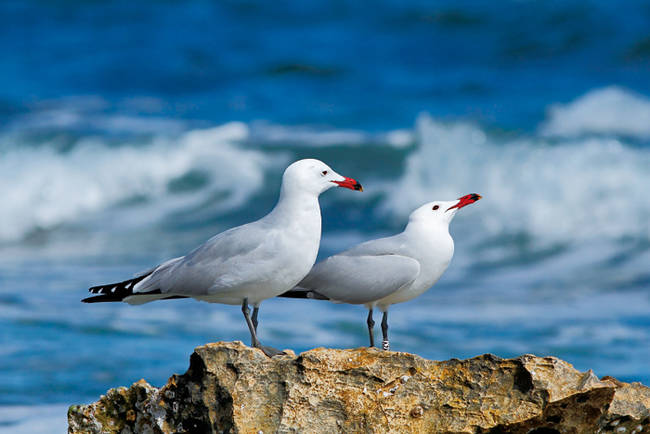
point(435, 207)
point(324, 172)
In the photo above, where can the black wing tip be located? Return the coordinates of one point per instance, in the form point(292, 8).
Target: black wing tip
point(105, 298)
point(302, 294)
point(113, 291)
point(100, 299)
point(98, 289)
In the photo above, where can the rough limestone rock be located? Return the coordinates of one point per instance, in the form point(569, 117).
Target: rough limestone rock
point(232, 388)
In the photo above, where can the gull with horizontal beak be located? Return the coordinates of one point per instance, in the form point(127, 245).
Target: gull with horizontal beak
point(386, 271)
point(249, 263)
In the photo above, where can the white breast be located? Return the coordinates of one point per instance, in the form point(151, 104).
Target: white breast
point(433, 251)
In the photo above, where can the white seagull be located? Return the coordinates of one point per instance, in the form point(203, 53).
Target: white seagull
point(248, 263)
point(382, 272)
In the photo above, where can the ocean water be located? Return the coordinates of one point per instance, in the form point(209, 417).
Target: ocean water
point(132, 132)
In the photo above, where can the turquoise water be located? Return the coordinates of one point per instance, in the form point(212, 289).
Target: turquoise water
point(130, 133)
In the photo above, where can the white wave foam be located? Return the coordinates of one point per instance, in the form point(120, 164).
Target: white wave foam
point(554, 190)
point(92, 113)
point(577, 189)
point(46, 188)
point(271, 134)
point(611, 110)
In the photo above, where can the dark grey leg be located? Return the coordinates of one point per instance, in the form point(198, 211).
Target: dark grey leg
point(256, 310)
point(246, 311)
point(384, 331)
point(371, 325)
point(269, 351)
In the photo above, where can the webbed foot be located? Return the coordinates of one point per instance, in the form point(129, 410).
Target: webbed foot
point(270, 351)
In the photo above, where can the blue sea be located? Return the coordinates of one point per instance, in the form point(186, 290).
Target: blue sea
point(130, 132)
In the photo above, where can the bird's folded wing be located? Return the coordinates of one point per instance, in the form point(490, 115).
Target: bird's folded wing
point(360, 279)
point(218, 259)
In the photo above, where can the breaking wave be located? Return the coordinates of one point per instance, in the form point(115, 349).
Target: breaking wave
point(607, 111)
point(569, 187)
point(574, 189)
point(46, 188)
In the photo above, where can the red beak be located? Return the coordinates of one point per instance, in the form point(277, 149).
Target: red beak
point(466, 200)
point(349, 183)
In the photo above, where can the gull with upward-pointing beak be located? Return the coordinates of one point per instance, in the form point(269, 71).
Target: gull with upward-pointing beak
point(247, 264)
point(391, 270)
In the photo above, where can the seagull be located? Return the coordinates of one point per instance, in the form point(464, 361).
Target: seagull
point(248, 263)
point(386, 271)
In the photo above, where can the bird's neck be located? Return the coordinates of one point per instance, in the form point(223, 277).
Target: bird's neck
point(433, 246)
point(423, 225)
point(296, 206)
point(427, 232)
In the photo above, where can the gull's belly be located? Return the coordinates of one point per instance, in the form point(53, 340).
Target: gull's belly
point(407, 293)
point(420, 285)
point(269, 276)
point(261, 289)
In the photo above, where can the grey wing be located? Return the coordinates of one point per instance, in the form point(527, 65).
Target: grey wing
point(217, 260)
point(238, 241)
point(394, 245)
point(360, 279)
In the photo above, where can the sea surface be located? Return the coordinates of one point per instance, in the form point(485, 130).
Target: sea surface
point(130, 132)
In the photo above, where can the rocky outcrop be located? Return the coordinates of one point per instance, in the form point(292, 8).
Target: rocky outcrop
point(230, 387)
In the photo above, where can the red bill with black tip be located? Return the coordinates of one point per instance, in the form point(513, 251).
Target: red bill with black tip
point(349, 183)
point(466, 200)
